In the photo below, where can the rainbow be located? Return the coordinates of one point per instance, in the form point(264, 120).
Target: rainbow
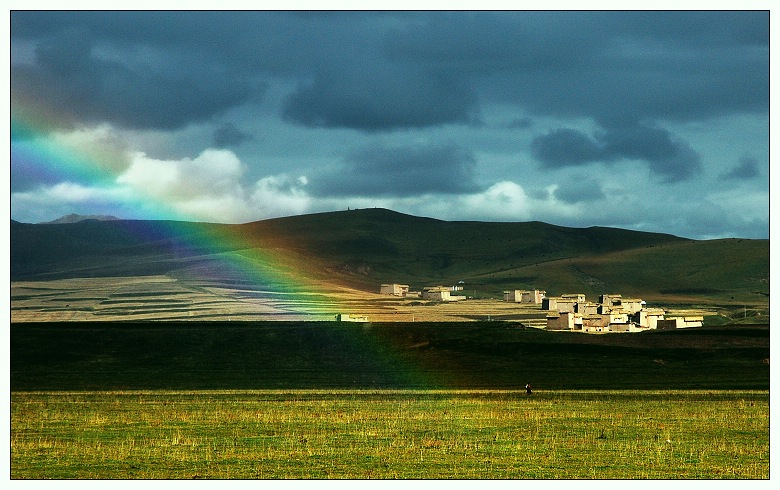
point(237, 256)
point(270, 271)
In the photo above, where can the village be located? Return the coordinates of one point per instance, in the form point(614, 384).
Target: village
point(612, 313)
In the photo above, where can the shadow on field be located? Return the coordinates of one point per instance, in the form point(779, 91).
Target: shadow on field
point(310, 355)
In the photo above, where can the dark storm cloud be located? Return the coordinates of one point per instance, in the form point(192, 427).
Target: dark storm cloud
point(609, 66)
point(747, 169)
point(374, 99)
point(671, 159)
point(565, 147)
point(391, 70)
point(521, 123)
point(577, 190)
point(229, 135)
point(71, 80)
point(401, 171)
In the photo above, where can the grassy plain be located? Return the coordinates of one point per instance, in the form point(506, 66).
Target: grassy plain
point(358, 434)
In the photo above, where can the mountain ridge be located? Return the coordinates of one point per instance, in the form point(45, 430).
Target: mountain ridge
point(364, 248)
point(75, 218)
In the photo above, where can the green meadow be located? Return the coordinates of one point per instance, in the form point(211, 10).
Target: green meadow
point(321, 400)
point(360, 434)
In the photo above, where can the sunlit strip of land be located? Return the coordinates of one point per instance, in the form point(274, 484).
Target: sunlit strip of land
point(164, 297)
point(281, 434)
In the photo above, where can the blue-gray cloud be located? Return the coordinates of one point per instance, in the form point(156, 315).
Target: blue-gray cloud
point(746, 169)
point(373, 98)
point(672, 160)
point(408, 170)
point(565, 148)
point(521, 123)
point(581, 189)
point(229, 135)
point(393, 70)
point(70, 78)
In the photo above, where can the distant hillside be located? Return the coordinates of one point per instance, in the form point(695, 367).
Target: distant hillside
point(364, 248)
point(75, 218)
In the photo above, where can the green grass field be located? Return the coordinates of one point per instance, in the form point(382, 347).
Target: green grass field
point(358, 434)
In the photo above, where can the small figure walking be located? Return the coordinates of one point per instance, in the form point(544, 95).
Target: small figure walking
point(528, 388)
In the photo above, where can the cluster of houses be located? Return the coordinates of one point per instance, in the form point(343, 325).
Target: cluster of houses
point(612, 312)
point(432, 293)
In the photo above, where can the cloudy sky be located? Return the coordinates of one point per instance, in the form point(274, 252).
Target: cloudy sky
point(655, 121)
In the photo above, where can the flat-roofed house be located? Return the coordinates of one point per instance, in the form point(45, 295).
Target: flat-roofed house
point(567, 304)
point(617, 321)
point(564, 302)
point(564, 321)
point(680, 322)
point(648, 318)
point(440, 293)
point(578, 297)
point(588, 308)
point(550, 303)
point(534, 296)
point(394, 289)
point(345, 317)
point(594, 324)
point(610, 299)
point(632, 305)
point(436, 293)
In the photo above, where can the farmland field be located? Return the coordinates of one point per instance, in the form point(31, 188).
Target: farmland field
point(304, 434)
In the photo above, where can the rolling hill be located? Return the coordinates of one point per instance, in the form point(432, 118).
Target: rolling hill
point(364, 248)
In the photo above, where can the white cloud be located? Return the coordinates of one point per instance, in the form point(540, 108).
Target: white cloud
point(101, 145)
point(221, 209)
point(502, 201)
point(156, 177)
point(508, 201)
point(212, 173)
point(68, 192)
point(48, 203)
point(207, 187)
point(280, 195)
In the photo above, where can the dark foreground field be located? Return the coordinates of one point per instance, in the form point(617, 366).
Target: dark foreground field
point(298, 355)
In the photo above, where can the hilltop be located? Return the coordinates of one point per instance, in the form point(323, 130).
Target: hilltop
point(363, 248)
point(75, 218)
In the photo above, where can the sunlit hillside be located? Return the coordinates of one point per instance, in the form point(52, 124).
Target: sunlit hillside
point(365, 248)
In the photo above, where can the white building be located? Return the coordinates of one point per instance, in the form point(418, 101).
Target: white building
point(344, 317)
point(439, 293)
point(681, 322)
point(394, 289)
point(534, 296)
point(613, 313)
